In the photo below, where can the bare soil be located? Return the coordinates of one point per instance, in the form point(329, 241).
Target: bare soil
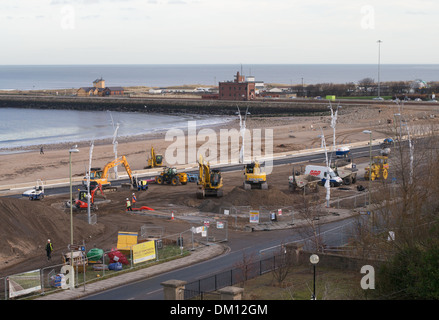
point(26, 225)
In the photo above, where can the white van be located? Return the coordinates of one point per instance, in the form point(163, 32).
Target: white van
point(321, 171)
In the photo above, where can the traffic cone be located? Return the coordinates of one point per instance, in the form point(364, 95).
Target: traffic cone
point(172, 216)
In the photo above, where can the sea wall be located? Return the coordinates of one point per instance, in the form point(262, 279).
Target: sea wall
point(168, 106)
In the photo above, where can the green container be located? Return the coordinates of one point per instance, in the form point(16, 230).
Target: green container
point(95, 254)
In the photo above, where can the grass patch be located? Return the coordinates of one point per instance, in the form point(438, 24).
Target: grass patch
point(331, 284)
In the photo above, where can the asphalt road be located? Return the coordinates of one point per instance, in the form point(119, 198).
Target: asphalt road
point(248, 245)
point(316, 157)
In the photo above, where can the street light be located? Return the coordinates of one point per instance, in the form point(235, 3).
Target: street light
point(72, 150)
point(314, 259)
point(379, 62)
point(370, 161)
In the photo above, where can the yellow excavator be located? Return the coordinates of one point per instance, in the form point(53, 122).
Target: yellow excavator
point(100, 176)
point(254, 176)
point(154, 160)
point(209, 182)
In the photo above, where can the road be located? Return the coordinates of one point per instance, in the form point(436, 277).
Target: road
point(315, 157)
point(248, 245)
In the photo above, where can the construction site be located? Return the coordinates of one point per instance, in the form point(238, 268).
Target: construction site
point(174, 199)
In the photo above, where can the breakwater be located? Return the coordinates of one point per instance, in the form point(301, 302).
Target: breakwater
point(170, 106)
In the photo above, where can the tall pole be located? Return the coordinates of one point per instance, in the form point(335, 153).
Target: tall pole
point(71, 208)
point(73, 149)
point(379, 63)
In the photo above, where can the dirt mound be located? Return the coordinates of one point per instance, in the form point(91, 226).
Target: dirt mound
point(26, 226)
point(254, 198)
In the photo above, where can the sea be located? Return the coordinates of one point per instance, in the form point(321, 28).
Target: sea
point(23, 128)
point(38, 77)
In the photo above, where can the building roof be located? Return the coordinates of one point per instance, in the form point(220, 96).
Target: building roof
point(97, 80)
point(87, 89)
point(115, 88)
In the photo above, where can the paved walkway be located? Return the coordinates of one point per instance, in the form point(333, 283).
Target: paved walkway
point(205, 253)
point(199, 255)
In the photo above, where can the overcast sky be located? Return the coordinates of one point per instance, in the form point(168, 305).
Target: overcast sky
point(217, 31)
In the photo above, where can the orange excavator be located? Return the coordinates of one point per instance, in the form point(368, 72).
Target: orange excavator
point(82, 202)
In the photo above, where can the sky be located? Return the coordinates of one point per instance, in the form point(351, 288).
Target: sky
point(218, 32)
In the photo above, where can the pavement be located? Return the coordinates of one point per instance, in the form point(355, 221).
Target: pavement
point(199, 255)
point(202, 254)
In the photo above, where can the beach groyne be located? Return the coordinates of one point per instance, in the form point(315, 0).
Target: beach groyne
point(167, 106)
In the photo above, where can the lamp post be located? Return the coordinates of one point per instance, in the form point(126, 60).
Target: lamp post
point(379, 62)
point(72, 150)
point(314, 259)
point(370, 162)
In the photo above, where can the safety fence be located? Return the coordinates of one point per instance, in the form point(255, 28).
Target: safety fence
point(151, 247)
point(205, 288)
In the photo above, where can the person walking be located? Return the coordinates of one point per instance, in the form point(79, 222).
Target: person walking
point(49, 249)
point(41, 150)
point(129, 205)
point(134, 199)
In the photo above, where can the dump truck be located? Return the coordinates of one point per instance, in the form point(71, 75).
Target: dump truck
point(380, 169)
point(302, 182)
point(210, 182)
point(255, 176)
point(347, 170)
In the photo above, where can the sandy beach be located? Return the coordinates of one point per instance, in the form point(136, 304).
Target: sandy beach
point(289, 134)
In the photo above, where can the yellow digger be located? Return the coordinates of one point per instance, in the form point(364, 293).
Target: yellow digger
point(255, 176)
point(209, 182)
point(380, 167)
point(154, 160)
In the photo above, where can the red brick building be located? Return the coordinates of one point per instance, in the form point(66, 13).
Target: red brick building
point(238, 89)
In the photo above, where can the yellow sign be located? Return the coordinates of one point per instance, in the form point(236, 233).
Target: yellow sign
point(144, 251)
point(126, 239)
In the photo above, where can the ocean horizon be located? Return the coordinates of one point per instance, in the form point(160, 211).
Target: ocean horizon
point(46, 77)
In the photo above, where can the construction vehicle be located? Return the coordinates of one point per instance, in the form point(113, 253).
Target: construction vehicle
point(254, 176)
point(385, 146)
point(154, 160)
point(380, 169)
point(347, 170)
point(37, 193)
point(299, 182)
point(171, 176)
point(322, 173)
point(100, 176)
point(82, 201)
point(209, 182)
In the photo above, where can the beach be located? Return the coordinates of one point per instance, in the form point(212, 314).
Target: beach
point(289, 134)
